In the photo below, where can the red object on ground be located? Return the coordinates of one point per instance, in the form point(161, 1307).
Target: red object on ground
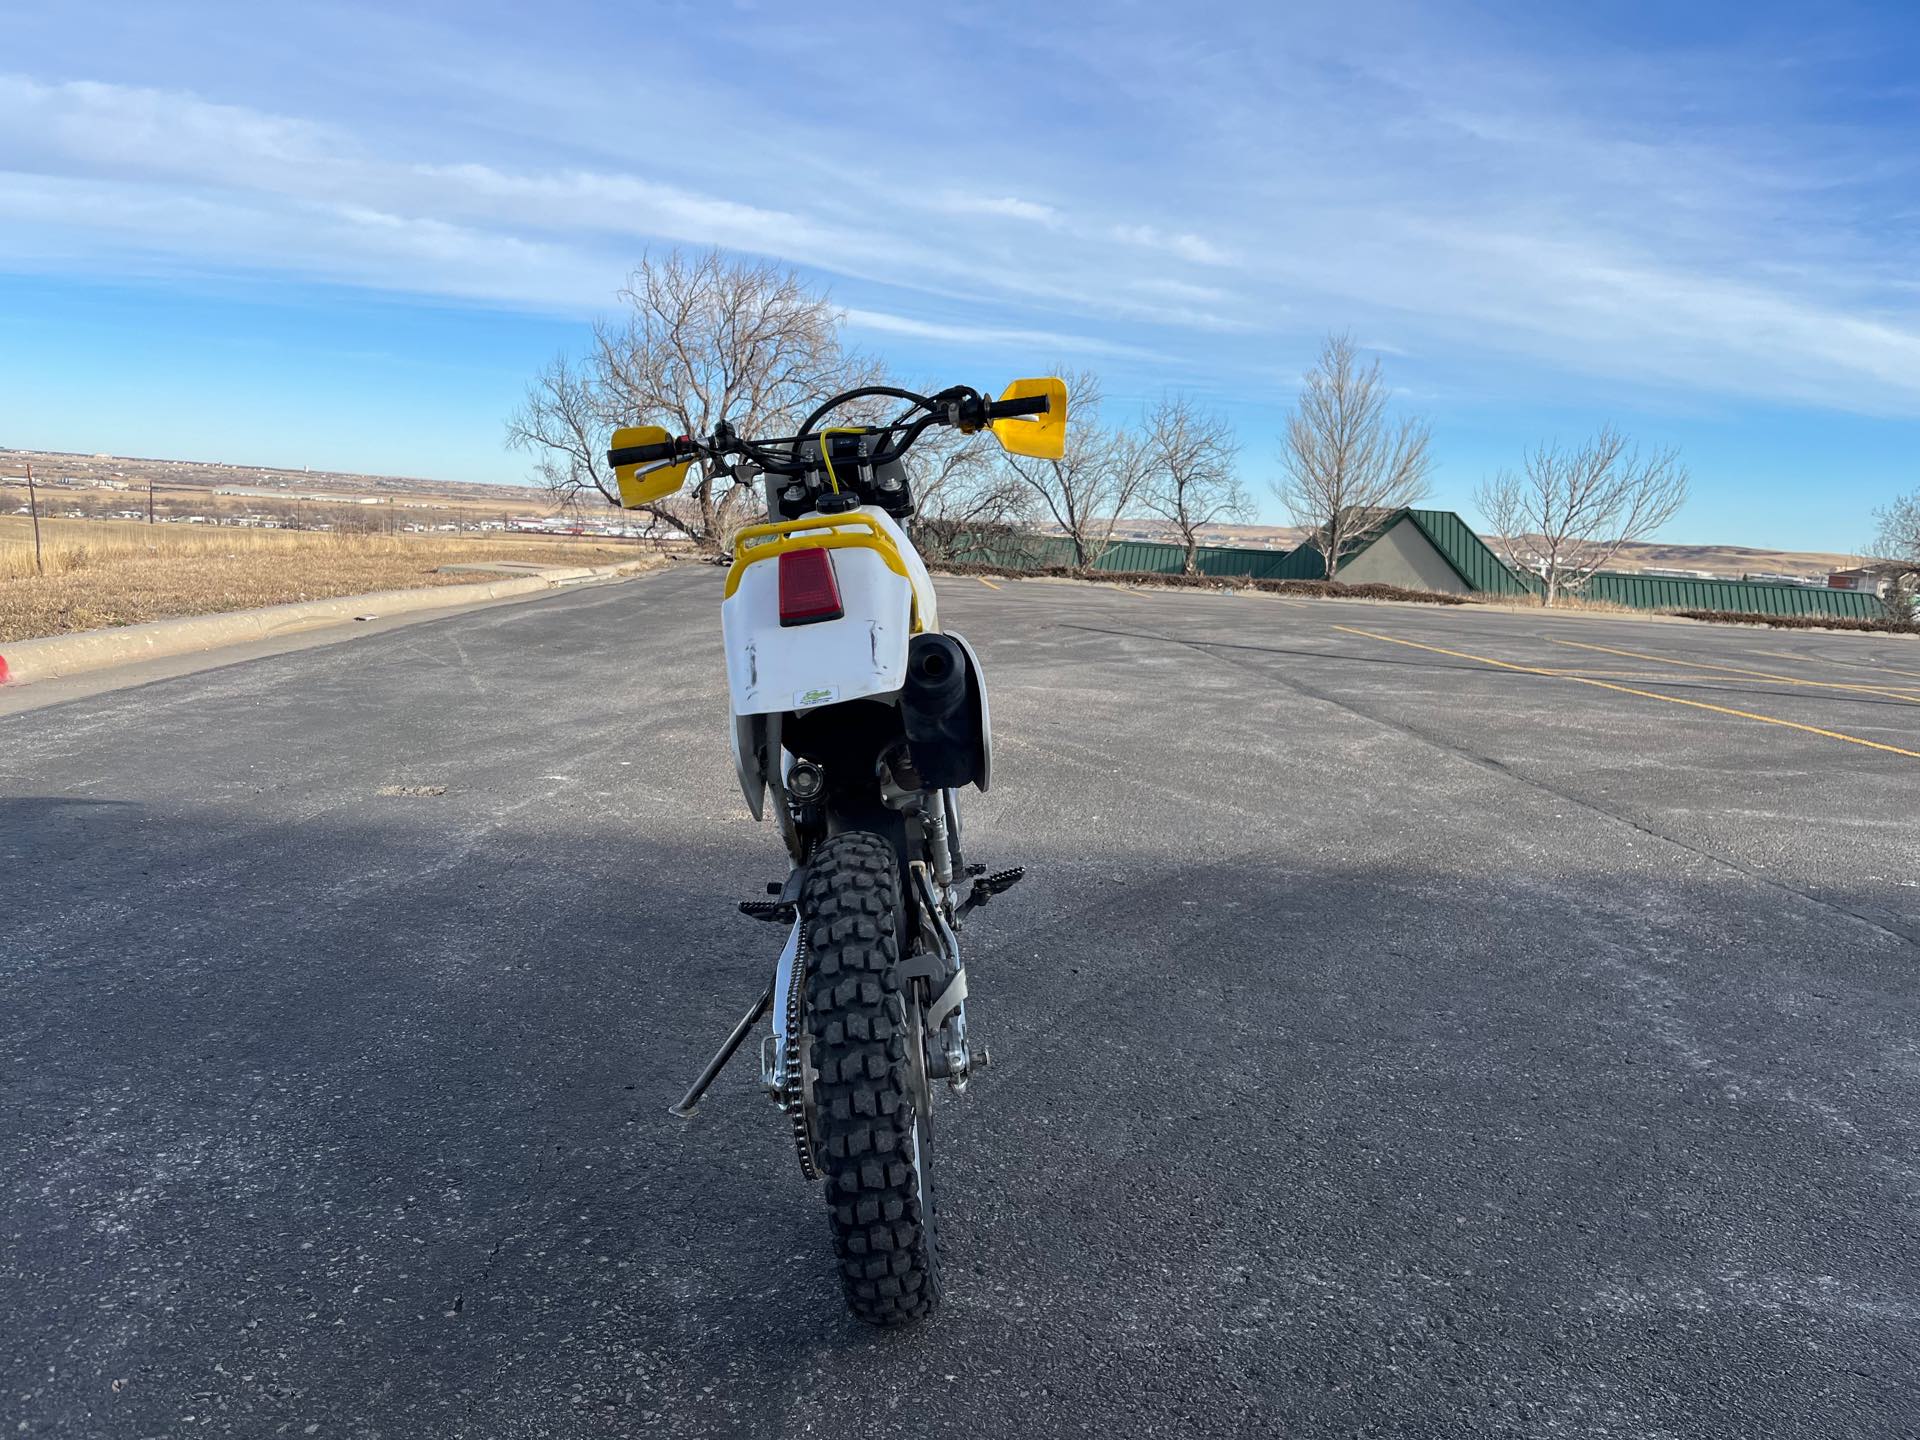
point(3, 669)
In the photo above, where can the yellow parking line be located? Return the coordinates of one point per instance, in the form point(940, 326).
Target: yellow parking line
point(1583, 672)
point(986, 582)
point(1669, 676)
point(1831, 664)
point(1898, 693)
point(1644, 694)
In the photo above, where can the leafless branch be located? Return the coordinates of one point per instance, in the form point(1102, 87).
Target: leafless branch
point(1346, 465)
point(1088, 489)
point(1899, 541)
point(701, 338)
point(1191, 482)
point(1899, 537)
point(960, 489)
point(1568, 512)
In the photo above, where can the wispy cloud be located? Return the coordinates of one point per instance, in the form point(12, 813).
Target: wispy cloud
point(1183, 243)
point(1054, 343)
point(270, 168)
point(1553, 200)
point(1009, 207)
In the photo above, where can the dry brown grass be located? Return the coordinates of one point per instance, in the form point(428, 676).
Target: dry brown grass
point(1566, 603)
point(101, 573)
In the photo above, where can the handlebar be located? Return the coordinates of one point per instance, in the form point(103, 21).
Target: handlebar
point(959, 406)
point(644, 454)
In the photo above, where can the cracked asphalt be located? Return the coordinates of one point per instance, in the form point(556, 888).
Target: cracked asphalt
point(1415, 1023)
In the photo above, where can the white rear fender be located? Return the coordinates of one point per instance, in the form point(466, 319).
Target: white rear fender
point(983, 717)
point(773, 668)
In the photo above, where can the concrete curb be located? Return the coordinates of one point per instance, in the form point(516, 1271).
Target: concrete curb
point(55, 656)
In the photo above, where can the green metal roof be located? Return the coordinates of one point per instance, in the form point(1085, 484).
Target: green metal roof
point(1468, 555)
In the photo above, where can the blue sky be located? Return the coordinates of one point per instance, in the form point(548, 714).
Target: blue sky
point(345, 235)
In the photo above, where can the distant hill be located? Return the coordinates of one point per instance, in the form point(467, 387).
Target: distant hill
point(131, 472)
point(115, 471)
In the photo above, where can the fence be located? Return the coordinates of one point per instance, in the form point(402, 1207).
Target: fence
point(1453, 538)
point(1747, 597)
point(1134, 557)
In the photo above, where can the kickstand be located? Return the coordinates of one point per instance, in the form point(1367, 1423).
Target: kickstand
point(714, 1066)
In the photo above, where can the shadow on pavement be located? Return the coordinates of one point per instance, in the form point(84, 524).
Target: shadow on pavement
point(339, 1121)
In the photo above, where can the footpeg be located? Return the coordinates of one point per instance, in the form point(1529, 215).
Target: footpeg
point(778, 912)
point(988, 886)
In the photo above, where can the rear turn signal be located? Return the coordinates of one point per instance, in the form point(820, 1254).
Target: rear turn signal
point(808, 590)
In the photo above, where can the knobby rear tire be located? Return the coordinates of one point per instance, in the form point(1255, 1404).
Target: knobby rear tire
point(878, 1201)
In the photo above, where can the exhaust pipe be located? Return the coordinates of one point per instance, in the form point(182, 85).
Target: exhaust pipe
point(938, 709)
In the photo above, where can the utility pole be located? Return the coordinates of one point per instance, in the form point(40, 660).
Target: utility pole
point(149, 497)
point(33, 504)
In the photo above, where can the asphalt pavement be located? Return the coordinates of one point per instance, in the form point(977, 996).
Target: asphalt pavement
point(1415, 1023)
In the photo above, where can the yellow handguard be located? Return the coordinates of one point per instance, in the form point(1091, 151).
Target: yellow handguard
point(1044, 437)
point(640, 486)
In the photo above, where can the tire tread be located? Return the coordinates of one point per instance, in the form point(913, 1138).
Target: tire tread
point(888, 1259)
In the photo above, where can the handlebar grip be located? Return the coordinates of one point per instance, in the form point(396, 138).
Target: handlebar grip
point(1025, 405)
point(643, 454)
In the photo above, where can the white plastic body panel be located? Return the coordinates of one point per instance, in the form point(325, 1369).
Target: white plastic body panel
point(749, 760)
point(772, 668)
point(983, 714)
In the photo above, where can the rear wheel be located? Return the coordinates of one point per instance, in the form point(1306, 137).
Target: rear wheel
point(866, 1052)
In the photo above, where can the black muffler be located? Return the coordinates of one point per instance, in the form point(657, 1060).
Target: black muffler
point(942, 718)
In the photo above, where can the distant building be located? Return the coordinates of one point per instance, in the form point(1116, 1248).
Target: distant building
point(1668, 574)
point(1874, 579)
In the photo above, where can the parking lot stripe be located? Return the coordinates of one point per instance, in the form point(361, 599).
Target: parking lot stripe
point(1644, 694)
point(1846, 664)
point(1893, 692)
point(986, 582)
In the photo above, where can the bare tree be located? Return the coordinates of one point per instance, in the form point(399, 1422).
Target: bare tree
point(1088, 489)
point(564, 425)
point(1568, 512)
point(1190, 480)
point(960, 490)
point(1899, 537)
point(702, 338)
point(1346, 465)
point(1899, 542)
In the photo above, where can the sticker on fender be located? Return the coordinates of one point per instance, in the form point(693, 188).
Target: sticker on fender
point(819, 695)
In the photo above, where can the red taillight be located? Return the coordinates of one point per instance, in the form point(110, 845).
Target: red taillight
point(808, 591)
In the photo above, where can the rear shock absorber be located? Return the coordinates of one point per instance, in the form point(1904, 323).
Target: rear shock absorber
point(933, 821)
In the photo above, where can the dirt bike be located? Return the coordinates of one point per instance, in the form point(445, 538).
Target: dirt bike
point(856, 720)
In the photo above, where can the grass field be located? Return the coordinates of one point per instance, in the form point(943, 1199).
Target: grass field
point(101, 573)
